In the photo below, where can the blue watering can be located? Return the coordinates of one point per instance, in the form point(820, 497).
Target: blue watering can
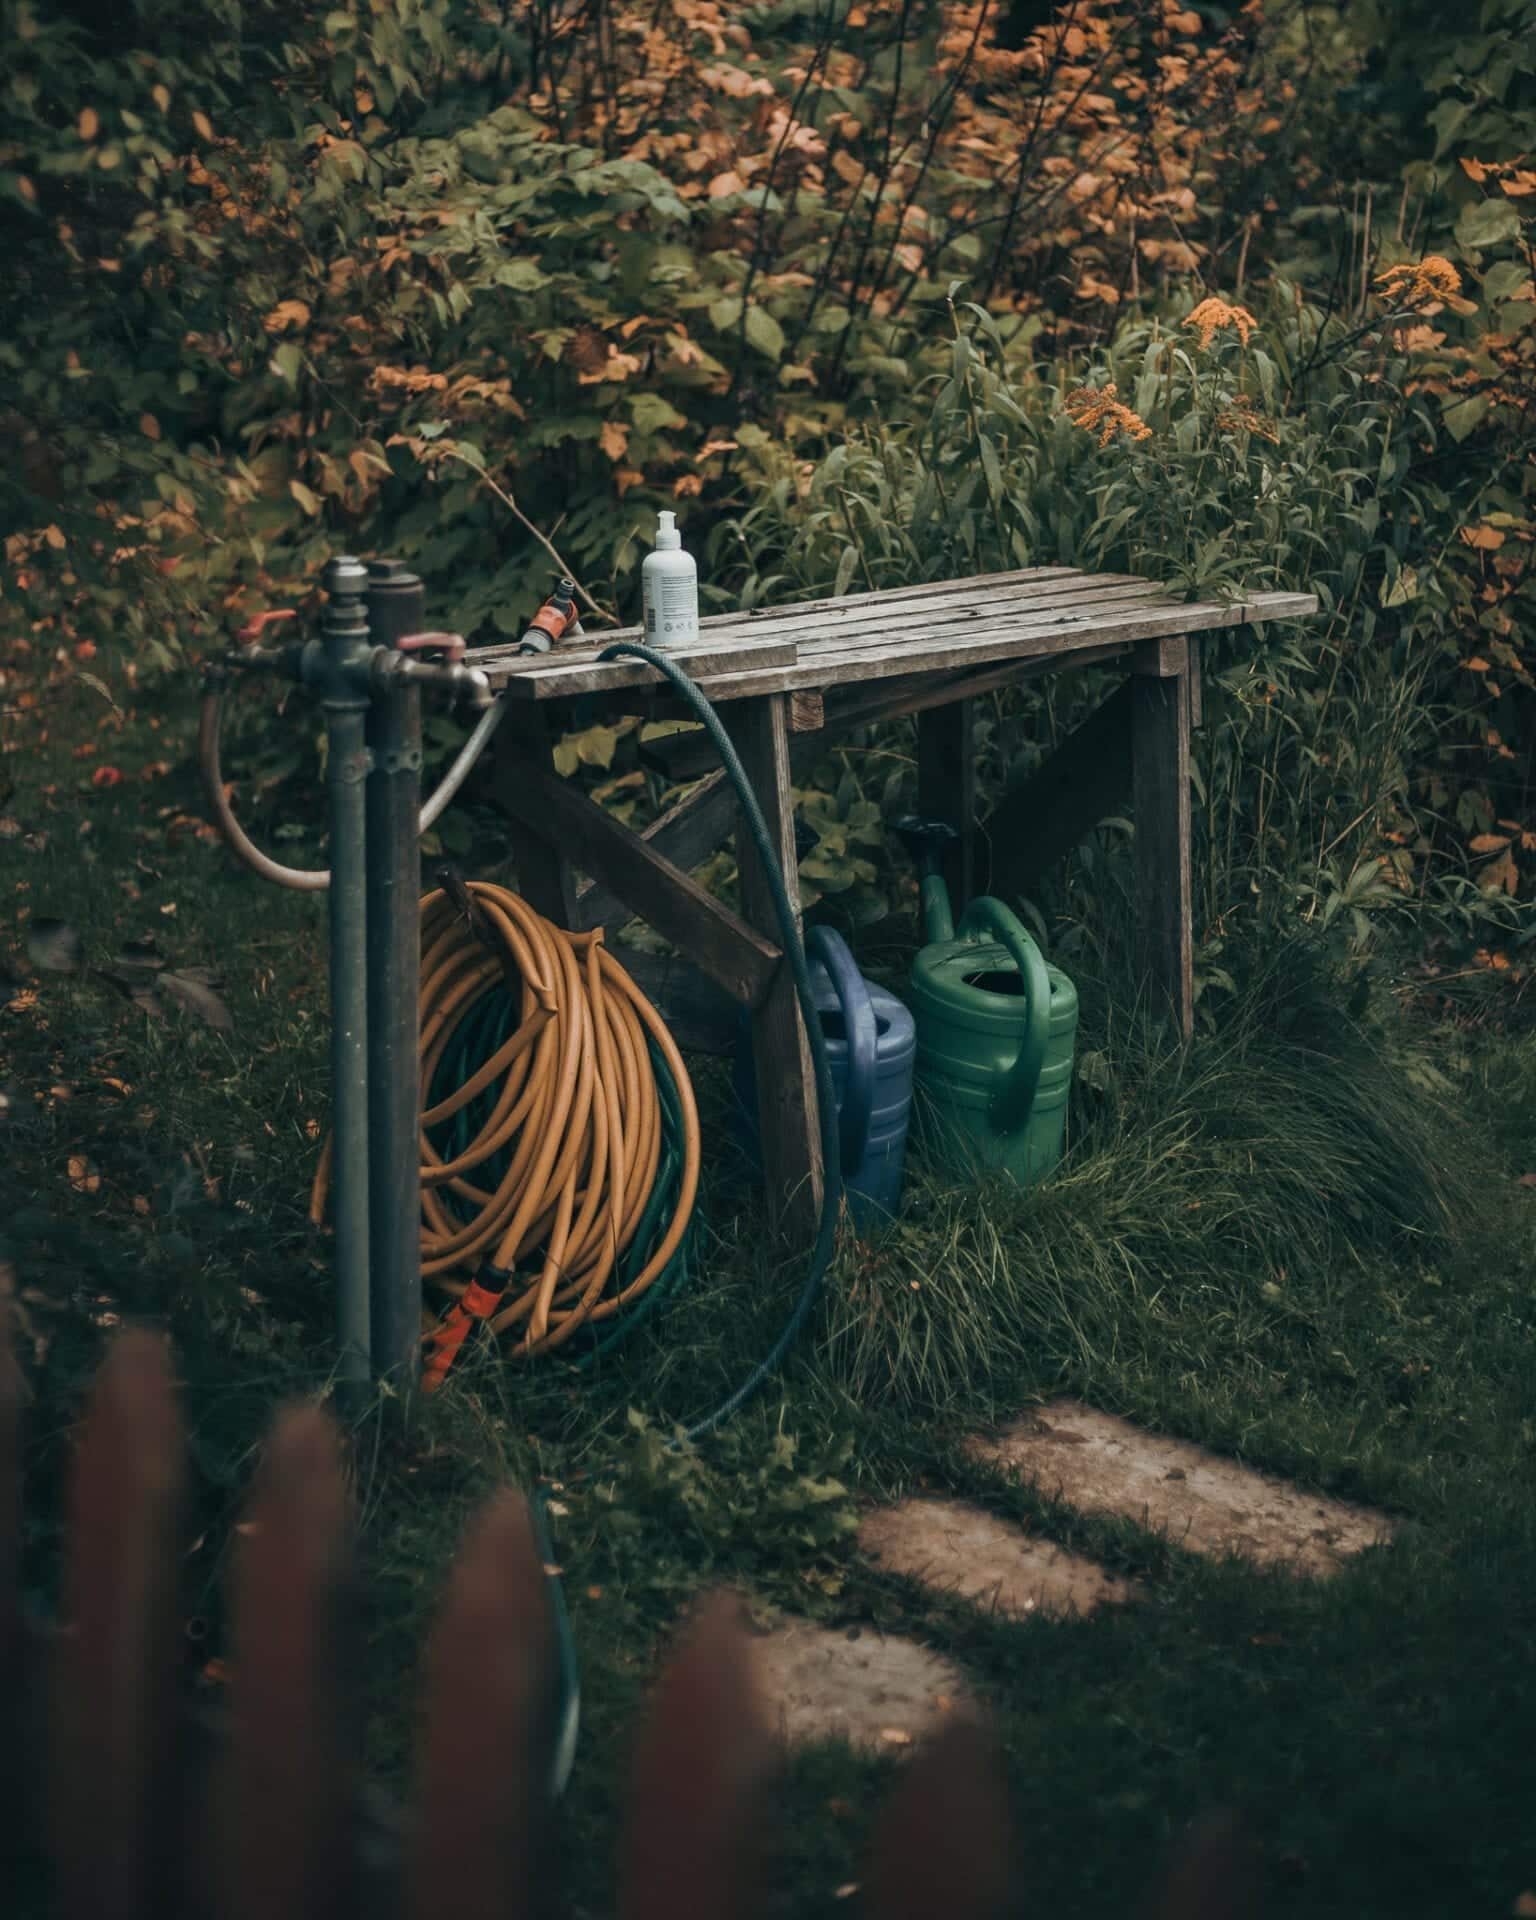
point(871, 1048)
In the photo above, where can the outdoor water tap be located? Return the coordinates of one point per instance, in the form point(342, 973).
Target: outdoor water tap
point(468, 684)
point(927, 842)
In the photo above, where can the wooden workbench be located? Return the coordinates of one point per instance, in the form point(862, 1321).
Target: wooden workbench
point(786, 678)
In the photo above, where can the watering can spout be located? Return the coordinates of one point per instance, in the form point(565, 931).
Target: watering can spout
point(926, 842)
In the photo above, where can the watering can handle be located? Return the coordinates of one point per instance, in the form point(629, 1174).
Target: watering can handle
point(828, 946)
point(990, 915)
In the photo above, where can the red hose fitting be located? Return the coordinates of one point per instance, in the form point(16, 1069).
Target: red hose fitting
point(450, 1333)
point(252, 630)
point(453, 644)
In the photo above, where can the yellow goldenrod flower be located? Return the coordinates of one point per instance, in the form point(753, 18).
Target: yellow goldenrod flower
point(1241, 417)
point(1212, 315)
point(1432, 278)
point(1096, 410)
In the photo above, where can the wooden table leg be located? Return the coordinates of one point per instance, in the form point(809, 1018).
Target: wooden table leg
point(545, 878)
point(946, 788)
point(791, 1142)
point(1164, 876)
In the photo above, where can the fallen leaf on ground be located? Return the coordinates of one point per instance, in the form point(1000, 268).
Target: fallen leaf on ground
point(83, 1177)
point(895, 1737)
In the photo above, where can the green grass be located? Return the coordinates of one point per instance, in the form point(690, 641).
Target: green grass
point(1304, 1241)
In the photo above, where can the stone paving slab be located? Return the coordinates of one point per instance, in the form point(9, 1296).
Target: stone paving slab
point(960, 1549)
point(880, 1693)
point(1201, 1500)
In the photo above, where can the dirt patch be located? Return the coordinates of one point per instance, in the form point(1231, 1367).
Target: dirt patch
point(963, 1550)
point(1201, 1500)
point(881, 1694)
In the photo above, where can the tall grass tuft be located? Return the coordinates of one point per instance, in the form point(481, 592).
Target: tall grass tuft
point(1201, 1187)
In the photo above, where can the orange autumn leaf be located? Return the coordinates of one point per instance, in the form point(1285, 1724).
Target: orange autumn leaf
point(83, 1177)
point(54, 536)
point(203, 124)
point(725, 184)
point(687, 483)
point(1477, 664)
point(1519, 184)
point(1501, 875)
point(614, 439)
point(1489, 842)
point(1474, 169)
point(149, 426)
point(1482, 537)
point(106, 777)
point(287, 313)
point(89, 124)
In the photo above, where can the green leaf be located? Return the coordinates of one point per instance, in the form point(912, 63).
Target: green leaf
point(522, 276)
point(1462, 415)
point(1487, 223)
point(652, 413)
point(764, 332)
point(1503, 280)
point(287, 361)
point(310, 502)
point(724, 313)
point(1448, 119)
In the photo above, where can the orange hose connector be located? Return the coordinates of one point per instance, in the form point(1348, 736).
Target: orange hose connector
point(576, 1109)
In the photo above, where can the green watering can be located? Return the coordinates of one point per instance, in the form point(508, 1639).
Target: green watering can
point(995, 1027)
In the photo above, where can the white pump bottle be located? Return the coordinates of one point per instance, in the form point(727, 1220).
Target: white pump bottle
point(669, 589)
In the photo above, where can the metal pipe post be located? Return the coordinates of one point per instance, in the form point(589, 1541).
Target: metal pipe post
point(396, 609)
point(342, 678)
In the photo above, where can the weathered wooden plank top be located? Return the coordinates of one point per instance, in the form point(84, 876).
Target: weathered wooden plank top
point(1035, 613)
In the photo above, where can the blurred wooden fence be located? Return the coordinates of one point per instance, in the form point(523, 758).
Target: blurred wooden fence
point(121, 1802)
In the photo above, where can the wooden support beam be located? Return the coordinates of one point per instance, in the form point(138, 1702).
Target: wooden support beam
point(807, 712)
point(524, 751)
point(1041, 819)
point(1164, 878)
point(686, 834)
point(680, 910)
point(786, 1084)
point(892, 699)
point(946, 789)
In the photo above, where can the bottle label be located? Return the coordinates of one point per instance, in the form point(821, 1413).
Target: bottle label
point(677, 605)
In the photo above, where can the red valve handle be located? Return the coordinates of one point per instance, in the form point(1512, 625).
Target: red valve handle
point(252, 630)
point(453, 644)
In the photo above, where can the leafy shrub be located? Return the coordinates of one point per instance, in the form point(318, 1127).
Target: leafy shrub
point(1351, 763)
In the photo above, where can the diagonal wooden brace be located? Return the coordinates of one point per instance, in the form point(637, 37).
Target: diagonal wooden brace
point(626, 865)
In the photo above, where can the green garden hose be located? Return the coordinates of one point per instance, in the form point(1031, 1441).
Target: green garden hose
point(826, 1231)
point(794, 953)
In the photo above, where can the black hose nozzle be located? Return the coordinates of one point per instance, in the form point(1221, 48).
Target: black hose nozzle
point(927, 841)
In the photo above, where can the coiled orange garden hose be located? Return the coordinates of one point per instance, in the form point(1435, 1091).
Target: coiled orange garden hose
point(575, 1114)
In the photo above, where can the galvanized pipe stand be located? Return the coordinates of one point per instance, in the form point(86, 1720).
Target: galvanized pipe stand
point(341, 675)
point(365, 670)
point(396, 606)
